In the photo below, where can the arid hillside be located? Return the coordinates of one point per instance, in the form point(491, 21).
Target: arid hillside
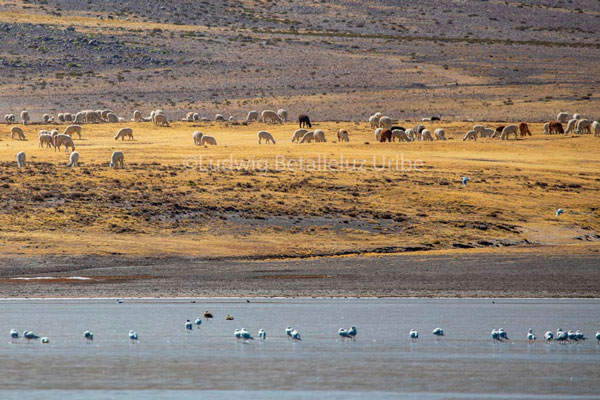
point(336, 60)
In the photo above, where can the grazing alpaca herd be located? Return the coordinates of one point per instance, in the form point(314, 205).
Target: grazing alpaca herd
point(384, 129)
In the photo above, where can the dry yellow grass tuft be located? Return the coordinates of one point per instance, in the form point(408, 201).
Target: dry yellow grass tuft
point(164, 203)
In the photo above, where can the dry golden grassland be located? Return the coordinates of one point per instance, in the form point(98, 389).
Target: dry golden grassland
point(162, 203)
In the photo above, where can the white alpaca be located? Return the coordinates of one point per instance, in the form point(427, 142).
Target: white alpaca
point(137, 116)
point(426, 135)
point(308, 137)
point(378, 115)
point(197, 135)
point(123, 133)
point(73, 159)
point(63, 140)
point(252, 116)
point(374, 121)
point(479, 129)
point(46, 139)
point(439, 134)
point(266, 136)
point(283, 114)
point(343, 136)
point(71, 129)
point(25, 117)
point(378, 132)
point(117, 159)
point(298, 135)
point(596, 128)
point(220, 117)
point(400, 135)
point(509, 130)
point(160, 119)
point(546, 128)
point(410, 134)
point(16, 131)
point(570, 126)
point(583, 126)
point(270, 116)
point(319, 136)
point(471, 135)
point(563, 117)
point(385, 123)
point(21, 159)
point(487, 132)
point(206, 140)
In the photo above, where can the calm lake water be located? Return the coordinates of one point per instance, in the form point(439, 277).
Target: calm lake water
point(169, 362)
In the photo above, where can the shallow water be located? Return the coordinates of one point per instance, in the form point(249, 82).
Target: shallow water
point(170, 362)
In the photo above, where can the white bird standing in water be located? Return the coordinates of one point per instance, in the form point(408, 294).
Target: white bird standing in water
point(245, 334)
point(598, 336)
point(343, 333)
point(29, 335)
point(439, 332)
point(262, 334)
point(198, 322)
point(237, 333)
point(530, 335)
point(503, 335)
point(288, 331)
point(133, 335)
point(14, 334)
point(495, 336)
point(579, 335)
point(295, 335)
point(188, 325)
point(89, 336)
point(352, 332)
point(414, 334)
point(548, 336)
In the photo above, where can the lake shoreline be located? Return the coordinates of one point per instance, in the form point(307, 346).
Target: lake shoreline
point(521, 274)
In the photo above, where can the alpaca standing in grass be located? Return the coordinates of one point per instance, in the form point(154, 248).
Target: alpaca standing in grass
point(270, 117)
point(117, 160)
point(343, 136)
point(16, 131)
point(124, 132)
point(25, 117)
point(471, 135)
point(298, 134)
point(21, 159)
point(206, 140)
point(63, 140)
point(266, 136)
point(71, 129)
point(73, 159)
point(197, 136)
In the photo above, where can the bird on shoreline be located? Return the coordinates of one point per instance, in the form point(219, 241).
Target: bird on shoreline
point(245, 334)
point(439, 332)
point(288, 331)
point(14, 334)
point(262, 334)
point(503, 335)
point(207, 315)
point(133, 336)
point(343, 333)
point(598, 336)
point(548, 336)
point(228, 318)
point(198, 322)
point(495, 336)
point(188, 325)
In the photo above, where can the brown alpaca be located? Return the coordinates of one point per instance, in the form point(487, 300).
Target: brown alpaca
point(386, 136)
point(555, 127)
point(524, 129)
